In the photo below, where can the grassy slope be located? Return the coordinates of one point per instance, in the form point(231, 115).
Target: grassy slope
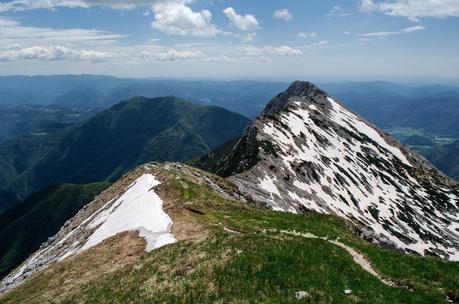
point(258, 264)
point(24, 227)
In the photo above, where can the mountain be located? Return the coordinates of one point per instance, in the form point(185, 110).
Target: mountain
point(94, 91)
point(444, 157)
point(24, 227)
point(170, 233)
point(126, 135)
point(433, 108)
point(18, 155)
point(306, 151)
point(23, 120)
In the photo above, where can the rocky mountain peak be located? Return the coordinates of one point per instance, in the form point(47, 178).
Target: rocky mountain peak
point(309, 152)
point(297, 90)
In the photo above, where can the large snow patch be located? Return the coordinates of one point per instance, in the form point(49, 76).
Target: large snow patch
point(139, 208)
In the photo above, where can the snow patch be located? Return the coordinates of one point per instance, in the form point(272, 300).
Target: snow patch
point(347, 119)
point(139, 208)
point(268, 184)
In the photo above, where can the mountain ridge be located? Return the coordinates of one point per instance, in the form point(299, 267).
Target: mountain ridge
point(307, 151)
point(128, 134)
point(226, 250)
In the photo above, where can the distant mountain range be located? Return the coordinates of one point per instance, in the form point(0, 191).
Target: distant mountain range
point(374, 99)
point(90, 91)
point(114, 141)
point(34, 124)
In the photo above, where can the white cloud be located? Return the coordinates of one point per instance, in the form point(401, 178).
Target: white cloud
point(13, 32)
point(171, 55)
point(379, 34)
point(243, 22)
point(391, 33)
point(413, 29)
point(307, 35)
point(250, 37)
point(283, 50)
point(22, 5)
point(413, 9)
point(318, 44)
point(282, 14)
point(220, 58)
point(338, 11)
point(176, 18)
point(49, 53)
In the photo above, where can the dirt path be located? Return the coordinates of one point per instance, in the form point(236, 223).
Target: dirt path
point(358, 257)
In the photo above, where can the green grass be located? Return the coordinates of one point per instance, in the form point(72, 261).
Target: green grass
point(261, 265)
point(247, 269)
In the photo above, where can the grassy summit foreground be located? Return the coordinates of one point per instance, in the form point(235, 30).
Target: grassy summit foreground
point(229, 252)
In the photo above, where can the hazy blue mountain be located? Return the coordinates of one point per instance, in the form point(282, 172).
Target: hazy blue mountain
point(444, 157)
point(245, 97)
point(375, 100)
point(16, 120)
point(438, 113)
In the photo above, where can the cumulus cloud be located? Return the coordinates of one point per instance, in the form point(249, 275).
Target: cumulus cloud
point(49, 53)
point(391, 33)
point(243, 22)
point(176, 18)
point(282, 14)
point(413, 9)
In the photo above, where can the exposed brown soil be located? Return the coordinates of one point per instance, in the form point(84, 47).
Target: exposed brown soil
point(61, 279)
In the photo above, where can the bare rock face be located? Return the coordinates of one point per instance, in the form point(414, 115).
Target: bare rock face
point(306, 151)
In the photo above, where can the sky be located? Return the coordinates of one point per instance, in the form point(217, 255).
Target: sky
point(229, 39)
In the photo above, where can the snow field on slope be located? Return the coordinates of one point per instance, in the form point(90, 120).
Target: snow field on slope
point(139, 208)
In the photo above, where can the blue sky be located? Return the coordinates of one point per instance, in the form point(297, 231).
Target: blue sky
point(258, 39)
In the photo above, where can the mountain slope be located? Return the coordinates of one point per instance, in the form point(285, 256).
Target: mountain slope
point(307, 152)
point(446, 158)
point(128, 134)
point(226, 251)
point(24, 227)
point(19, 155)
point(25, 119)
